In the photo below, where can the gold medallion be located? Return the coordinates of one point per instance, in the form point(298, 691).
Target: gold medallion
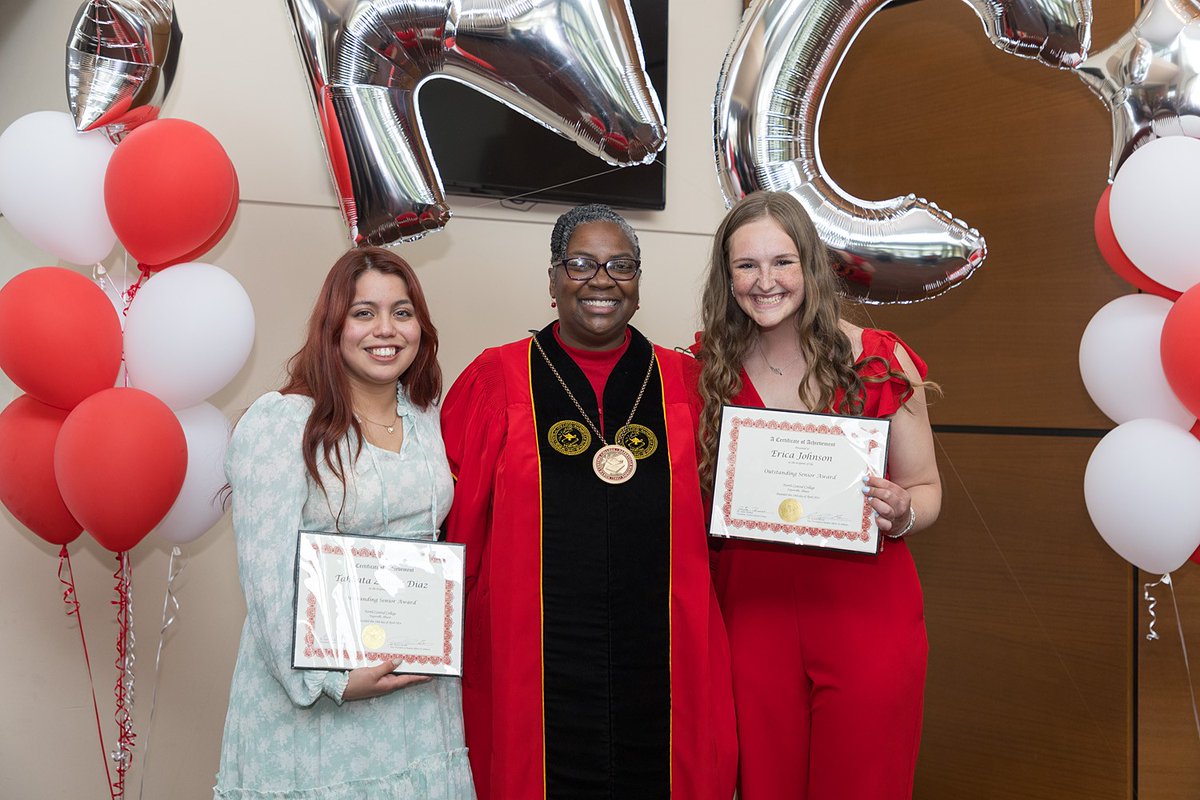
point(614, 464)
point(373, 637)
point(637, 439)
point(569, 437)
point(790, 510)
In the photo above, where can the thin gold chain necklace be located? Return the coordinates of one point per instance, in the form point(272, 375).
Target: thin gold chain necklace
point(777, 370)
point(389, 428)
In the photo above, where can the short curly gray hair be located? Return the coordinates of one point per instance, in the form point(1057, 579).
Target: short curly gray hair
point(581, 215)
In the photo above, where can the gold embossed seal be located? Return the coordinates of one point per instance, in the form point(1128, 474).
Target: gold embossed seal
point(637, 439)
point(373, 637)
point(569, 437)
point(790, 510)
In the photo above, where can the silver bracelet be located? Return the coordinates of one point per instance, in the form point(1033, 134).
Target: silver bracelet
point(912, 520)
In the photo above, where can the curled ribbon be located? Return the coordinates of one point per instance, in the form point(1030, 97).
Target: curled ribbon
point(71, 600)
point(1151, 602)
point(1152, 635)
point(123, 691)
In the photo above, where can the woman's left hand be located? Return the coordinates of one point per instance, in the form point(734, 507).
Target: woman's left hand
point(891, 501)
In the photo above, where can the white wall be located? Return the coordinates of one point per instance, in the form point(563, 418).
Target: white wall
point(240, 77)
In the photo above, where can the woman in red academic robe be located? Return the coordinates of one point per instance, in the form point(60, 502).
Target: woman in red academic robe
point(596, 662)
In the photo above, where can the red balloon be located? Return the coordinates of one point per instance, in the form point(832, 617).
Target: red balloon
point(120, 460)
point(168, 190)
point(1106, 240)
point(213, 240)
point(59, 358)
point(1180, 349)
point(28, 430)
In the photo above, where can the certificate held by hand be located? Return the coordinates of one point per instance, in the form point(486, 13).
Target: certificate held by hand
point(361, 600)
point(794, 477)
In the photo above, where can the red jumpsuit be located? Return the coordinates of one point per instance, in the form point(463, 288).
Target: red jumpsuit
point(829, 651)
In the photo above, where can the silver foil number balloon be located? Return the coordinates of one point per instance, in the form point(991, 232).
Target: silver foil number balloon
point(575, 66)
point(767, 113)
point(121, 59)
point(1148, 78)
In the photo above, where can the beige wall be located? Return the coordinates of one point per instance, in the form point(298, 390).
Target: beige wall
point(1034, 683)
point(240, 77)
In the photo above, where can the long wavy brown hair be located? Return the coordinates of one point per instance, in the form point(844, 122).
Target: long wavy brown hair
point(318, 371)
point(729, 334)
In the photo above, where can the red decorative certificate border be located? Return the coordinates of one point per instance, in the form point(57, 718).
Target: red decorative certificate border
point(736, 424)
point(311, 650)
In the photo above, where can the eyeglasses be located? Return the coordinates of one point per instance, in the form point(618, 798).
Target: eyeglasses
point(584, 269)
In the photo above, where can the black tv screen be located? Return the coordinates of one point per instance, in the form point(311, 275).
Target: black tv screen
point(484, 148)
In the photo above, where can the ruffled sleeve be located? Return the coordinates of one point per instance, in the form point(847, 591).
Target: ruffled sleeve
point(474, 430)
point(265, 469)
point(878, 358)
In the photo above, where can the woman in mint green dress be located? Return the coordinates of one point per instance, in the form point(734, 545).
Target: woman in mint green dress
point(350, 443)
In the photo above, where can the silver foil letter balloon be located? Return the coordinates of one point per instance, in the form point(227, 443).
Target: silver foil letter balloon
point(575, 66)
point(1148, 78)
point(767, 113)
point(121, 59)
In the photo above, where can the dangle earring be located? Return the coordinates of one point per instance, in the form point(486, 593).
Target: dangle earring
point(553, 303)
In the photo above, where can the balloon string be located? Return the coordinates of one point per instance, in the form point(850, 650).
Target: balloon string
point(169, 612)
point(71, 600)
point(124, 663)
point(1151, 602)
point(132, 291)
point(1183, 645)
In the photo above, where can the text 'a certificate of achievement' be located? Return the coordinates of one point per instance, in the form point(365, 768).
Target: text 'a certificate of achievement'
point(361, 600)
point(797, 478)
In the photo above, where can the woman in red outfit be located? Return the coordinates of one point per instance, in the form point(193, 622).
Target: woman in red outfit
point(829, 649)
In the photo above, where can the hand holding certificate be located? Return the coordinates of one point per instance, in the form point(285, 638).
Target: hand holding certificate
point(361, 600)
point(797, 478)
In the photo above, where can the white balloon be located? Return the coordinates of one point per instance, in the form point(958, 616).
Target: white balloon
point(52, 186)
point(1155, 208)
point(1138, 487)
point(188, 332)
point(1120, 363)
point(198, 506)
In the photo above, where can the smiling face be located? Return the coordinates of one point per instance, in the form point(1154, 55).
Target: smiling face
point(381, 334)
point(764, 266)
point(593, 314)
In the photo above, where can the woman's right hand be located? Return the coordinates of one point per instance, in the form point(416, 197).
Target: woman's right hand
point(367, 682)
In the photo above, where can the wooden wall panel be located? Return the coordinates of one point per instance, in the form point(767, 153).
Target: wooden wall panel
point(1029, 691)
point(925, 104)
point(1168, 743)
point(1037, 658)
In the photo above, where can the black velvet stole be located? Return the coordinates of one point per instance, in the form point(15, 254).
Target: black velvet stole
point(606, 582)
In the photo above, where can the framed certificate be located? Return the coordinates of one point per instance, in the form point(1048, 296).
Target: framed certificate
point(361, 600)
point(795, 478)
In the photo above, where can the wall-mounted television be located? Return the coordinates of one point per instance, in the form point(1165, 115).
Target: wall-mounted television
point(484, 148)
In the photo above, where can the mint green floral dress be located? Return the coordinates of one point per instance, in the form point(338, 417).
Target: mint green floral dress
point(288, 734)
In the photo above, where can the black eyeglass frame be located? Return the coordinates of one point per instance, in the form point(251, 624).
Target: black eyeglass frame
point(597, 267)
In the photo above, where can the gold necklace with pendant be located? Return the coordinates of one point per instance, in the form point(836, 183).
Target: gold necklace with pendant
point(612, 463)
point(389, 428)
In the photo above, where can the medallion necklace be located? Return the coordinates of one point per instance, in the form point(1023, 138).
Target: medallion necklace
point(612, 462)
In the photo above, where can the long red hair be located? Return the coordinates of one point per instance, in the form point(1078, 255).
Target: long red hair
point(318, 371)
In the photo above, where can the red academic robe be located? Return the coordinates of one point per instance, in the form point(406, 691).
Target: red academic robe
point(596, 662)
